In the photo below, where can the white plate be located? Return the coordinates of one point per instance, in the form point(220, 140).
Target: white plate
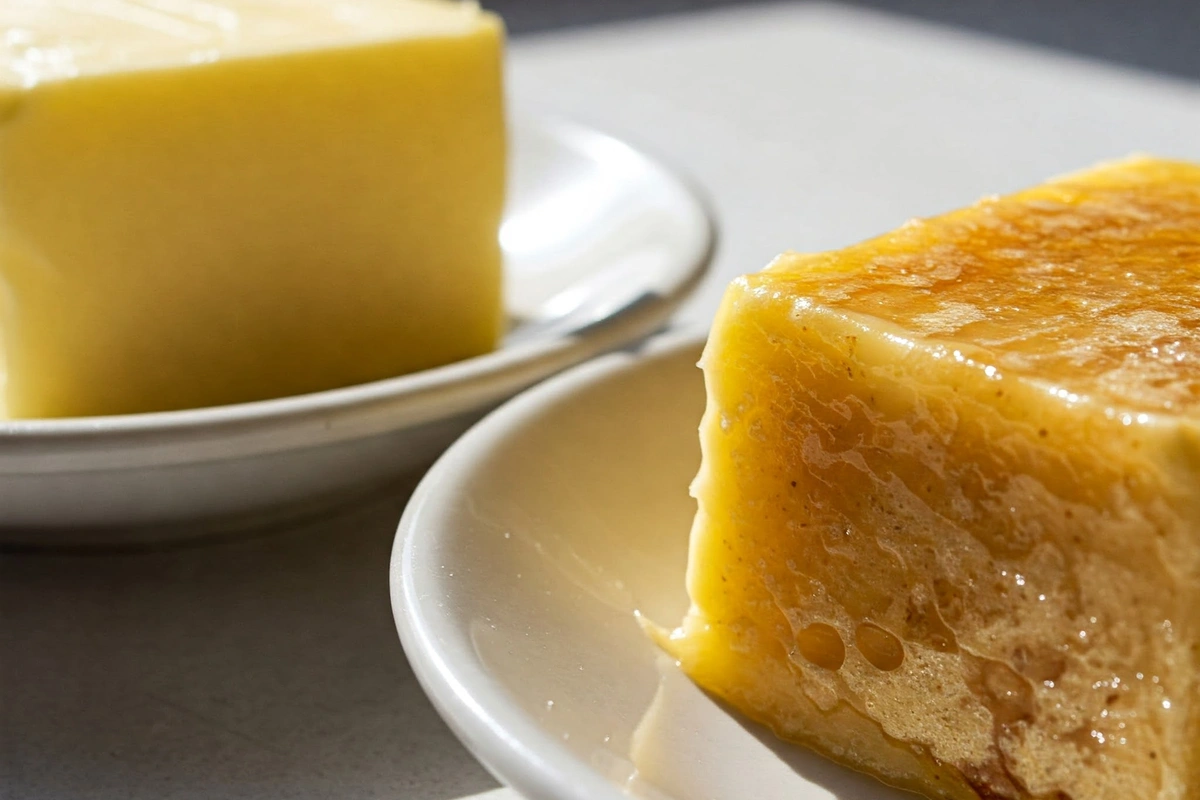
point(518, 567)
point(601, 243)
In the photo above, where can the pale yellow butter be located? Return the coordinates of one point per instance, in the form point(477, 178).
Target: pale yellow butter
point(211, 202)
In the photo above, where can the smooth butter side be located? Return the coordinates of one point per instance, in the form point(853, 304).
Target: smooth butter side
point(212, 202)
point(949, 509)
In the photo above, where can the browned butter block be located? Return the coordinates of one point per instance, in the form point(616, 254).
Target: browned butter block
point(949, 509)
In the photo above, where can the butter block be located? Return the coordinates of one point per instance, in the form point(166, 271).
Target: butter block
point(949, 506)
point(212, 201)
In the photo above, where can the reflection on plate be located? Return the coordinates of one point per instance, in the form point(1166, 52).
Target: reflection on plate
point(601, 243)
point(517, 572)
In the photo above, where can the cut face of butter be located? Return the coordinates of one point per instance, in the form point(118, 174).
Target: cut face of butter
point(949, 507)
point(211, 202)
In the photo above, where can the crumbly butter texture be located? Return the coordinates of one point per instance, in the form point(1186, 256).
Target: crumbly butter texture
point(949, 508)
point(212, 202)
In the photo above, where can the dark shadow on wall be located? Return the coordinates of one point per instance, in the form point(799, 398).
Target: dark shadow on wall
point(1157, 35)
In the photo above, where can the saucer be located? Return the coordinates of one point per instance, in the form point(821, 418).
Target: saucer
point(601, 244)
point(521, 566)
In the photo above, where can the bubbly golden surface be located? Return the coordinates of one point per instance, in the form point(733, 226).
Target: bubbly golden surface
point(1090, 282)
point(949, 509)
point(213, 202)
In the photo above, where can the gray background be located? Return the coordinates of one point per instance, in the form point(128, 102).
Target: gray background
point(1160, 35)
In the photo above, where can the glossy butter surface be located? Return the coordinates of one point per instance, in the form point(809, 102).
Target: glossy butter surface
point(1089, 282)
point(948, 528)
point(212, 202)
point(54, 39)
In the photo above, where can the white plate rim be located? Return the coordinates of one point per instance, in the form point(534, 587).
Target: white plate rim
point(408, 399)
point(495, 729)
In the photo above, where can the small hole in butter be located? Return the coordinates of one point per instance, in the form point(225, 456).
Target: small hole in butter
point(820, 644)
point(883, 650)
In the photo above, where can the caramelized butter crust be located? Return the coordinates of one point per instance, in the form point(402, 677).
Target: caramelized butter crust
point(948, 529)
point(1089, 281)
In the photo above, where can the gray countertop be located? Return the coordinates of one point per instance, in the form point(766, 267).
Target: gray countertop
point(269, 667)
point(263, 668)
